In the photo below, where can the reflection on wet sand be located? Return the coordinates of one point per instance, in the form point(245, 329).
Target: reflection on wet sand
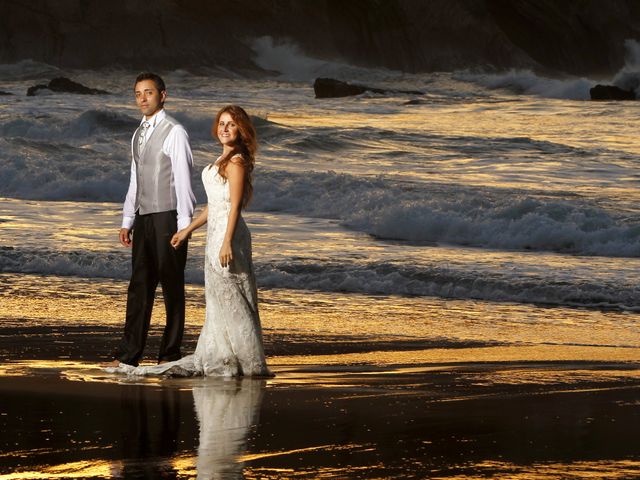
point(609, 469)
point(510, 419)
point(226, 411)
point(146, 430)
point(149, 430)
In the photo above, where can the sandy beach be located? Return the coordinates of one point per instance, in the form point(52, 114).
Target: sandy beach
point(342, 404)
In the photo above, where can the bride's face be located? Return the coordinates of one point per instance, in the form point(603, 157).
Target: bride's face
point(227, 130)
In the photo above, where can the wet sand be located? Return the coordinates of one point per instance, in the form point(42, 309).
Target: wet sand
point(345, 402)
point(503, 419)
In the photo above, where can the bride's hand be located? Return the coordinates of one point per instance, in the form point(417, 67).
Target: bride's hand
point(226, 254)
point(179, 238)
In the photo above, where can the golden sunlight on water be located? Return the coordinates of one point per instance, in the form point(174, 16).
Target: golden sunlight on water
point(451, 356)
point(257, 456)
point(366, 386)
point(338, 322)
point(560, 122)
point(44, 220)
point(83, 469)
point(609, 469)
point(45, 300)
point(182, 466)
point(544, 119)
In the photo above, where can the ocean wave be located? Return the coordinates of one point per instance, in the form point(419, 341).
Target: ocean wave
point(527, 82)
point(380, 206)
point(94, 122)
point(378, 277)
point(199, 126)
point(287, 58)
point(398, 145)
point(90, 123)
point(85, 157)
point(408, 280)
point(628, 78)
point(65, 263)
point(452, 214)
point(28, 70)
point(79, 263)
point(98, 122)
point(45, 170)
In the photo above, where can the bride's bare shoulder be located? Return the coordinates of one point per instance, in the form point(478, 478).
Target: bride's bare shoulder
point(237, 158)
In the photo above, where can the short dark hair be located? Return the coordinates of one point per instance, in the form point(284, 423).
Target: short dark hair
point(151, 76)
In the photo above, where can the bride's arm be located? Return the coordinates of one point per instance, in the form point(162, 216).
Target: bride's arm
point(234, 172)
point(183, 234)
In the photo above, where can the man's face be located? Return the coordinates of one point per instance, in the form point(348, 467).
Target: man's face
point(148, 98)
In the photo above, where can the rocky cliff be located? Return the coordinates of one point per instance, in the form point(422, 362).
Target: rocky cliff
point(573, 36)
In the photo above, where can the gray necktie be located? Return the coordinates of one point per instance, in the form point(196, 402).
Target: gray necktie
point(142, 138)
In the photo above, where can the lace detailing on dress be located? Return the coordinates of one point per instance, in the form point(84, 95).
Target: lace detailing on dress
point(230, 343)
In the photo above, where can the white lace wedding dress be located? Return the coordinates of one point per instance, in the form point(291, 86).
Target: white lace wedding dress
point(230, 343)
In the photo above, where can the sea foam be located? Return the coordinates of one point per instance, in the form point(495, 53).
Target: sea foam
point(380, 206)
point(368, 277)
point(287, 58)
point(27, 70)
point(503, 219)
point(628, 78)
point(530, 83)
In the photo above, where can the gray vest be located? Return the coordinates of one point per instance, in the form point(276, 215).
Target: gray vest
point(155, 190)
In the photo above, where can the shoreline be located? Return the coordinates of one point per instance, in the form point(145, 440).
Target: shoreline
point(509, 419)
point(365, 388)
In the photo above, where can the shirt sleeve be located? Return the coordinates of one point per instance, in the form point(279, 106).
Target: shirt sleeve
point(177, 147)
point(129, 208)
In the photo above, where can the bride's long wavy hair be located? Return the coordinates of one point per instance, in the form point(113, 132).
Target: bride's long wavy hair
point(246, 145)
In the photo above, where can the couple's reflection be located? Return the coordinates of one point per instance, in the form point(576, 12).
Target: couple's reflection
point(226, 411)
point(156, 422)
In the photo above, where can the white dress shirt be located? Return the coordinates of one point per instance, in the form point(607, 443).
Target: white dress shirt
point(176, 146)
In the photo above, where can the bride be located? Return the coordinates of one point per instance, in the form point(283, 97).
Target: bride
point(230, 343)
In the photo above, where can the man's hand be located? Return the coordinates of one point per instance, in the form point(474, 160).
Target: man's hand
point(125, 237)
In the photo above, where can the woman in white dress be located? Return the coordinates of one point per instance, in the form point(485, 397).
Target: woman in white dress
point(230, 343)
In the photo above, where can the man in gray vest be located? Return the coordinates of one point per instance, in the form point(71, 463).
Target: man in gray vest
point(159, 202)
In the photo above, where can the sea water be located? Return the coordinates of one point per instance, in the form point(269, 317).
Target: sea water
point(510, 193)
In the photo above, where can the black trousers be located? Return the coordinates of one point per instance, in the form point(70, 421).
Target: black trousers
point(154, 261)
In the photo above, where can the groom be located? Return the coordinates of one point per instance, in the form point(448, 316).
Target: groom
point(159, 202)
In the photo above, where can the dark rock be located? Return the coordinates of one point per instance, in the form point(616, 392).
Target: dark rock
point(414, 101)
point(611, 92)
point(331, 88)
point(5, 93)
point(31, 91)
point(64, 85)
